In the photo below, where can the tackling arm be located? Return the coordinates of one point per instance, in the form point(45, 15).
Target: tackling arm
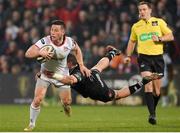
point(68, 80)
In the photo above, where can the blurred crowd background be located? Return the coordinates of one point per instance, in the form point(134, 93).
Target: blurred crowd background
point(92, 23)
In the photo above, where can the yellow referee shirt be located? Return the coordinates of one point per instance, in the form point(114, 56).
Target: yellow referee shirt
point(142, 32)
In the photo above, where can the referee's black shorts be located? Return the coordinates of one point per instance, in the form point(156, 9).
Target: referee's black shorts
point(152, 63)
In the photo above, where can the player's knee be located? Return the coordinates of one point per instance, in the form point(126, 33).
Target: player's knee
point(158, 93)
point(37, 101)
point(148, 87)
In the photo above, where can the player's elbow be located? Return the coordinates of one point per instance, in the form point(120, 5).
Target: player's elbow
point(27, 54)
point(172, 38)
point(32, 52)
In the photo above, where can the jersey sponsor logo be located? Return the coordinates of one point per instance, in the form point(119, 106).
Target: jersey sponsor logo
point(42, 41)
point(154, 23)
point(147, 36)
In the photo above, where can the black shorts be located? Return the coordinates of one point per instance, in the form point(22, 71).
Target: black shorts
point(152, 63)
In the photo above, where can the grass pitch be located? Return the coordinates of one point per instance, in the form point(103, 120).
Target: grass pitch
point(90, 118)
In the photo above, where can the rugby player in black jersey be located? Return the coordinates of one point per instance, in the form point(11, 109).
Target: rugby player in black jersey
point(94, 86)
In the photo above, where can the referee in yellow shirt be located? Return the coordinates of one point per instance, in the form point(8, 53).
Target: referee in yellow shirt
point(149, 33)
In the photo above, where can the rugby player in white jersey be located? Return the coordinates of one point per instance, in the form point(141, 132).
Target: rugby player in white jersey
point(56, 63)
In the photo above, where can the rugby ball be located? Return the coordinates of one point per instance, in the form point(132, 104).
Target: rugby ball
point(48, 48)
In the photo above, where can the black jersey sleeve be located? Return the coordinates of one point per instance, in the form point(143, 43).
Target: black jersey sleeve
point(77, 73)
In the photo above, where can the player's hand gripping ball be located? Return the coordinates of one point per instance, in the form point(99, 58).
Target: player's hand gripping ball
point(49, 49)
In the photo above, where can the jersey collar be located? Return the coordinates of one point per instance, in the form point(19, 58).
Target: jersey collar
point(64, 38)
point(148, 21)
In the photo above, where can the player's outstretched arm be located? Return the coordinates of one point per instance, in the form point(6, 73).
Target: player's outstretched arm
point(68, 80)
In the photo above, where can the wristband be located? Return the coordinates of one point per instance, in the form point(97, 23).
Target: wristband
point(160, 39)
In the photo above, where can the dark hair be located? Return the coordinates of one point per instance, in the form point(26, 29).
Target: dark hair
point(145, 3)
point(58, 22)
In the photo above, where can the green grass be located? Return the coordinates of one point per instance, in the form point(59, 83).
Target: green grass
point(90, 118)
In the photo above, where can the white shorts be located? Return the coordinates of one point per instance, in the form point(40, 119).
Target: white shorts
point(44, 82)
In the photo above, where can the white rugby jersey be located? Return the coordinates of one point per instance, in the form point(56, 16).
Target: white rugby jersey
point(59, 64)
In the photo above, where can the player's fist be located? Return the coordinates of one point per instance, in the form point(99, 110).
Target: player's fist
point(127, 60)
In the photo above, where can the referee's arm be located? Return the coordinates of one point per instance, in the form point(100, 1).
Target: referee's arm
point(167, 37)
point(130, 47)
point(129, 51)
point(132, 42)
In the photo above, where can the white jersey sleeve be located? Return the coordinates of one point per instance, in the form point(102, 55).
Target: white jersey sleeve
point(74, 43)
point(43, 41)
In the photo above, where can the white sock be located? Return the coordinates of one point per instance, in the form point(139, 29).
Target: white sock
point(34, 112)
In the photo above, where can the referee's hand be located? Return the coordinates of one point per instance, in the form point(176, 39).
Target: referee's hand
point(127, 60)
point(155, 38)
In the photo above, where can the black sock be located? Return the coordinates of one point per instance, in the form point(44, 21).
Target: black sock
point(150, 102)
point(110, 55)
point(145, 81)
point(135, 88)
point(156, 100)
